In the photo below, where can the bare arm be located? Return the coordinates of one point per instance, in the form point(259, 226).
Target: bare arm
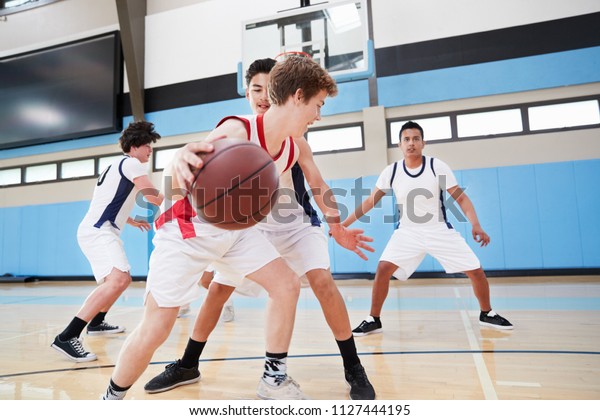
point(365, 206)
point(467, 207)
point(352, 239)
point(148, 190)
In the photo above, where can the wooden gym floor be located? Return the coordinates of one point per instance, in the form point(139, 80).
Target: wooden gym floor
point(432, 347)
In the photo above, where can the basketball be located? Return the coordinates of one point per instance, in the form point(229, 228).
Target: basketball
point(237, 185)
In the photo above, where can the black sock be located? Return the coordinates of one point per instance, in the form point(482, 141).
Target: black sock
point(73, 330)
point(98, 319)
point(192, 353)
point(348, 352)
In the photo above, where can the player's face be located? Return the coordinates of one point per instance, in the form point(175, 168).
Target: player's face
point(257, 93)
point(141, 153)
point(411, 143)
point(310, 111)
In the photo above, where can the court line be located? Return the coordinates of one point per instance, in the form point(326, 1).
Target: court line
point(301, 356)
point(487, 386)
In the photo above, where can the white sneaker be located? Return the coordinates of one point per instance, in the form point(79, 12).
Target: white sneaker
point(228, 313)
point(183, 311)
point(287, 390)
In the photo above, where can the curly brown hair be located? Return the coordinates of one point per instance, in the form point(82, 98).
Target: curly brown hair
point(137, 134)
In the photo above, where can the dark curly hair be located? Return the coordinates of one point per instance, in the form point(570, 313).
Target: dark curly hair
point(137, 134)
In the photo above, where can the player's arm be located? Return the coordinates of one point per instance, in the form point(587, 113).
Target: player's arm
point(365, 206)
point(352, 239)
point(186, 158)
point(467, 207)
point(148, 190)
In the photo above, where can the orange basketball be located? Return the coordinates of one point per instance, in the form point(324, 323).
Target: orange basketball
point(237, 185)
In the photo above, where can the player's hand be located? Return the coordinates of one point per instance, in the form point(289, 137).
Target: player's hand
point(186, 159)
point(480, 236)
point(141, 224)
point(352, 239)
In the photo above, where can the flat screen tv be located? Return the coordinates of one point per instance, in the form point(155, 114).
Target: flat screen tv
point(66, 91)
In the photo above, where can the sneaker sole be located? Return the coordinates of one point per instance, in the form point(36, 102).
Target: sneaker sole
point(105, 332)
point(359, 334)
point(498, 327)
point(188, 382)
point(89, 358)
point(354, 399)
point(263, 397)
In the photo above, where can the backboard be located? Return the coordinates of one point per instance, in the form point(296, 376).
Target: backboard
point(334, 34)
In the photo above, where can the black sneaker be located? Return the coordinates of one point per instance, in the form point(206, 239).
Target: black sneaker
point(173, 376)
point(104, 328)
point(368, 326)
point(360, 387)
point(73, 349)
point(492, 319)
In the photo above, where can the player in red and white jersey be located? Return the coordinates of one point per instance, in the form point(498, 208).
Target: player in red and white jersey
point(182, 254)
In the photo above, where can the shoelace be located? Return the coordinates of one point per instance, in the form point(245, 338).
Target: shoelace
point(106, 325)
point(77, 344)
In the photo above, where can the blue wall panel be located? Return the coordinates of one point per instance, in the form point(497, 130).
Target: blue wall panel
point(520, 222)
point(558, 216)
point(11, 240)
point(538, 216)
point(587, 190)
point(498, 77)
point(481, 186)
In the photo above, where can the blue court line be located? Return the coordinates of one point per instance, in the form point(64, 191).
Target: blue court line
point(304, 356)
point(427, 304)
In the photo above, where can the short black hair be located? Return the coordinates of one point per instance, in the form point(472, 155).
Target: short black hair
point(262, 65)
point(411, 124)
point(137, 134)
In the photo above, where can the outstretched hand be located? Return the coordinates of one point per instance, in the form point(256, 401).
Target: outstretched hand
point(352, 239)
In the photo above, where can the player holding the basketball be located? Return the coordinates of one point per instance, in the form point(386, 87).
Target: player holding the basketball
point(99, 237)
point(177, 263)
point(303, 245)
point(423, 228)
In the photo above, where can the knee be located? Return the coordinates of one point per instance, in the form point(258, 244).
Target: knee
point(219, 292)
point(322, 283)
point(119, 281)
point(385, 270)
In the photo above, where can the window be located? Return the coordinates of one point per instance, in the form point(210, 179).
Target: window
point(77, 168)
point(489, 123)
point(564, 115)
point(162, 158)
point(10, 176)
point(105, 161)
point(437, 128)
point(40, 173)
point(335, 139)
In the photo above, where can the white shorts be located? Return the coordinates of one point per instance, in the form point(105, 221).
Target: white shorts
point(176, 264)
point(408, 246)
point(304, 249)
point(104, 249)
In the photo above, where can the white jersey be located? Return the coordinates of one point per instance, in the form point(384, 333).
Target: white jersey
point(286, 212)
point(419, 192)
point(114, 195)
